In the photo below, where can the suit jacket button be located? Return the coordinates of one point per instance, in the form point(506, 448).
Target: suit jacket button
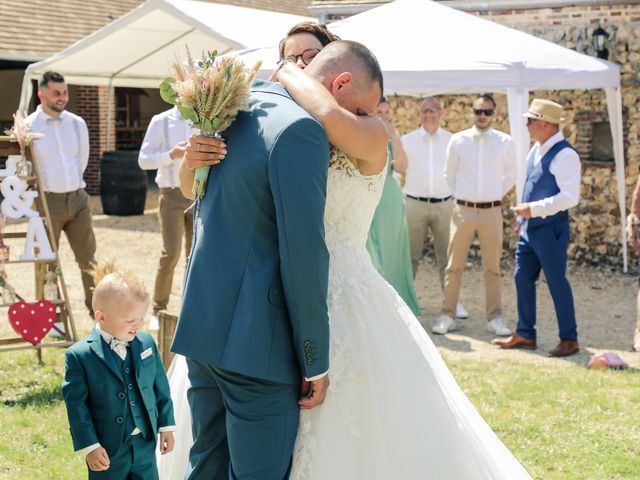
point(121, 395)
point(133, 404)
point(130, 387)
point(127, 370)
point(119, 420)
point(309, 356)
point(306, 343)
point(309, 361)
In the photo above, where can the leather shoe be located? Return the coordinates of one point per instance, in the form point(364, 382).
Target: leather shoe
point(515, 341)
point(565, 348)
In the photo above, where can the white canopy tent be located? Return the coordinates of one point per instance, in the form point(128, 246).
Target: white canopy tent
point(425, 48)
point(134, 50)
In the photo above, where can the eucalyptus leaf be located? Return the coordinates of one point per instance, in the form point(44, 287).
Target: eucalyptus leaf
point(188, 113)
point(167, 93)
point(216, 123)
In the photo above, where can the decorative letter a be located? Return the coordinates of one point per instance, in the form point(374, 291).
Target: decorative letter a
point(37, 239)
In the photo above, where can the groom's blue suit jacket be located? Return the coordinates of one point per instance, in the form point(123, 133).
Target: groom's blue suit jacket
point(255, 296)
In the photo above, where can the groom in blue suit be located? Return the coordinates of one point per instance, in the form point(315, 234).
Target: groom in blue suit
point(254, 318)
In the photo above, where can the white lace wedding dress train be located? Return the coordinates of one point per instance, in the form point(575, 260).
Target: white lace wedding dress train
point(393, 409)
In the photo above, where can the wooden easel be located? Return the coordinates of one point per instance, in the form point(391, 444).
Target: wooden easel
point(63, 310)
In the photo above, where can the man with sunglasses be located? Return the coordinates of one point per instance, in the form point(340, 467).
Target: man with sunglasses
point(480, 170)
point(551, 188)
point(428, 197)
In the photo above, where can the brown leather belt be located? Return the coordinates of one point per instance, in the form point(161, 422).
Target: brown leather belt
point(464, 203)
point(429, 199)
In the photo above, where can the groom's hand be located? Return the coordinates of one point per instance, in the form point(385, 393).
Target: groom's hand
point(313, 392)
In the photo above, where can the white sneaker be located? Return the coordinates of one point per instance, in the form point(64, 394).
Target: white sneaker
point(498, 327)
point(154, 323)
point(461, 312)
point(444, 324)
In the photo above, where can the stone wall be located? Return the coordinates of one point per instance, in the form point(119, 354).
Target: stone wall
point(596, 221)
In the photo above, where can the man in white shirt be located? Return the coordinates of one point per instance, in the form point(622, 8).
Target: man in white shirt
point(62, 155)
point(551, 188)
point(480, 170)
point(162, 149)
point(428, 197)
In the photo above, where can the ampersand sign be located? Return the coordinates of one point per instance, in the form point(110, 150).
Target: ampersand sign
point(17, 199)
point(32, 321)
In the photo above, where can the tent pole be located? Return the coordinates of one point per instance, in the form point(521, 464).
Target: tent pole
point(26, 92)
point(614, 107)
point(518, 102)
point(109, 113)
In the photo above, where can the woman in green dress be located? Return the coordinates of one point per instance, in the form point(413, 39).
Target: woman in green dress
point(388, 242)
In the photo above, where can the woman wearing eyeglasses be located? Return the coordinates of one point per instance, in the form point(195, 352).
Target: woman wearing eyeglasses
point(304, 41)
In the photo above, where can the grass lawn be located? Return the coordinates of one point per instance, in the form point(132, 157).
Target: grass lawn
point(563, 422)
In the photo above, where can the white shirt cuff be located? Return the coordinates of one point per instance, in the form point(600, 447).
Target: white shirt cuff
point(87, 450)
point(168, 428)
point(317, 377)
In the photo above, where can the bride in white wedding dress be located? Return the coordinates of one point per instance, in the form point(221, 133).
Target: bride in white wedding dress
point(393, 409)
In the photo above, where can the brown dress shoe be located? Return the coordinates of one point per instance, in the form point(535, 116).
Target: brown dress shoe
point(565, 348)
point(515, 341)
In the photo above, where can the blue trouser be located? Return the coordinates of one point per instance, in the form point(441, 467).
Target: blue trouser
point(544, 246)
point(136, 460)
point(243, 427)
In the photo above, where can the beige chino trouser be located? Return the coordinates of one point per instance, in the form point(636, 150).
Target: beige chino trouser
point(70, 212)
point(466, 222)
point(423, 217)
point(174, 224)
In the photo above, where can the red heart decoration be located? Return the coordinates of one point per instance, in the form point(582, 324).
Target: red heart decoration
point(32, 321)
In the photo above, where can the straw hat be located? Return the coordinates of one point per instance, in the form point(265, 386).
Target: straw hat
point(545, 110)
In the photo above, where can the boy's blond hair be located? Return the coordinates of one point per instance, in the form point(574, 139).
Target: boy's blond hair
point(117, 287)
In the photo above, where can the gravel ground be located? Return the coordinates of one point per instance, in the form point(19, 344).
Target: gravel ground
point(605, 299)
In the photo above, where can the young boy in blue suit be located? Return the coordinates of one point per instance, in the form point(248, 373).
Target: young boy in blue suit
point(115, 386)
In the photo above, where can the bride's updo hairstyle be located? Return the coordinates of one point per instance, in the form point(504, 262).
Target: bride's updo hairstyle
point(324, 36)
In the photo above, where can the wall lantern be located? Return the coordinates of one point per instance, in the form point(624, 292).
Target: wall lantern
point(600, 36)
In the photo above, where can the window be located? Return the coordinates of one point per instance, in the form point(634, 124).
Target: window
point(129, 129)
point(601, 143)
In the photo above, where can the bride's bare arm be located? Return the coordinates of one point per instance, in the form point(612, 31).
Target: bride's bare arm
point(361, 137)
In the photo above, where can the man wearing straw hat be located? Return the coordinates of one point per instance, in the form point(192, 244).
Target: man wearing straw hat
point(551, 188)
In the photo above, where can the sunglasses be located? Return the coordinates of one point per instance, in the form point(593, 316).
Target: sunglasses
point(487, 111)
point(306, 56)
point(430, 110)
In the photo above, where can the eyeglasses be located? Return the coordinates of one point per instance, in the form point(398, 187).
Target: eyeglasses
point(487, 111)
point(306, 56)
point(430, 110)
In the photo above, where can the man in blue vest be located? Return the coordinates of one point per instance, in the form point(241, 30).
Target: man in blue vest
point(552, 187)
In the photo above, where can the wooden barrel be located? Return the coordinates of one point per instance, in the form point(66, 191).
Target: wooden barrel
point(123, 184)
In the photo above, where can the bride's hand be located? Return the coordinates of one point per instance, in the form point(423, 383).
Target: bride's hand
point(315, 392)
point(203, 151)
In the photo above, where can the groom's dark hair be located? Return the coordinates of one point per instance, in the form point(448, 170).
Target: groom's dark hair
point(347, 55)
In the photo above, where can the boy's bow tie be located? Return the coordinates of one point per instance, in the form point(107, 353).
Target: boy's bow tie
point(120, 347)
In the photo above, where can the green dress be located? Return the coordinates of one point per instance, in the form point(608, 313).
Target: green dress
point(388, 242)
